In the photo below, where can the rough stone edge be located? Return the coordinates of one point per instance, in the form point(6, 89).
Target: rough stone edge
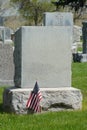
point(54, 99)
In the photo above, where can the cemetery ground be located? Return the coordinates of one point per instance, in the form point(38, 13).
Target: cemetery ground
point(64, 120)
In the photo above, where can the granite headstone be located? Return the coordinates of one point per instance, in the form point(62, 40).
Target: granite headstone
point(43, 54)
point(39, 56)
point(6, 65)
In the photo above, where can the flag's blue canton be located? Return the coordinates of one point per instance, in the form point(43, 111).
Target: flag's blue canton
point(36, 88)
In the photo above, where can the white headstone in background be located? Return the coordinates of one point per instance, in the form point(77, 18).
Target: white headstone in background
point(5, 34)
point(58, 19)
point(44, 54)
point(77, 33)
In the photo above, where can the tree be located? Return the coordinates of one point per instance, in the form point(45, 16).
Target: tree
point(76, 6)
point(33, 9)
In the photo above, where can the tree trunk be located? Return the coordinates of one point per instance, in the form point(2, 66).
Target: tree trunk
point(36, 17)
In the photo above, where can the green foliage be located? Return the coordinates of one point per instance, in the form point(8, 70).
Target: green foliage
point(65, 120)
point(33, 10)
point(79, 49)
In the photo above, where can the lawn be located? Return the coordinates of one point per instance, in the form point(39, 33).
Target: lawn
point(65, 120)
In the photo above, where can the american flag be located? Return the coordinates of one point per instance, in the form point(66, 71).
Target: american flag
point(35, 97)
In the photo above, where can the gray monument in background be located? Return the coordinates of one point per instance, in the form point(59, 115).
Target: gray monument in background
point(84, 32)
point(58, 19)
point(43, 54)
point(6, 65)
point(6, 57)
point(5, 34)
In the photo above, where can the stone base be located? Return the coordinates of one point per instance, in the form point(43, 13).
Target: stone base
point(84, 58)
point(54, 99)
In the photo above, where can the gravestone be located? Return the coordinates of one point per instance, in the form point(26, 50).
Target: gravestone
point(77, 34)
point(49, 68)
point(6, 65)
point(58, 19)
point(84, 31)
point(5, 34)
point(42, 54)
point(63, 19)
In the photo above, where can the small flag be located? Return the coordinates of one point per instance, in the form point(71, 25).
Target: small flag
point(33, 102)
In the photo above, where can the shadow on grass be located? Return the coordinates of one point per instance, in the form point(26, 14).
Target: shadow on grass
point(1, 108)
point(2, 88)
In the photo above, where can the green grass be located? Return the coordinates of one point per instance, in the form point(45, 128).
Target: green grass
point(79, 75)
point(79, 80)
point(79, 49)
point(48, 121)
point(65, 120)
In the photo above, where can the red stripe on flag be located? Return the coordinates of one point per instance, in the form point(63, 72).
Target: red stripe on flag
point(29, 101)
